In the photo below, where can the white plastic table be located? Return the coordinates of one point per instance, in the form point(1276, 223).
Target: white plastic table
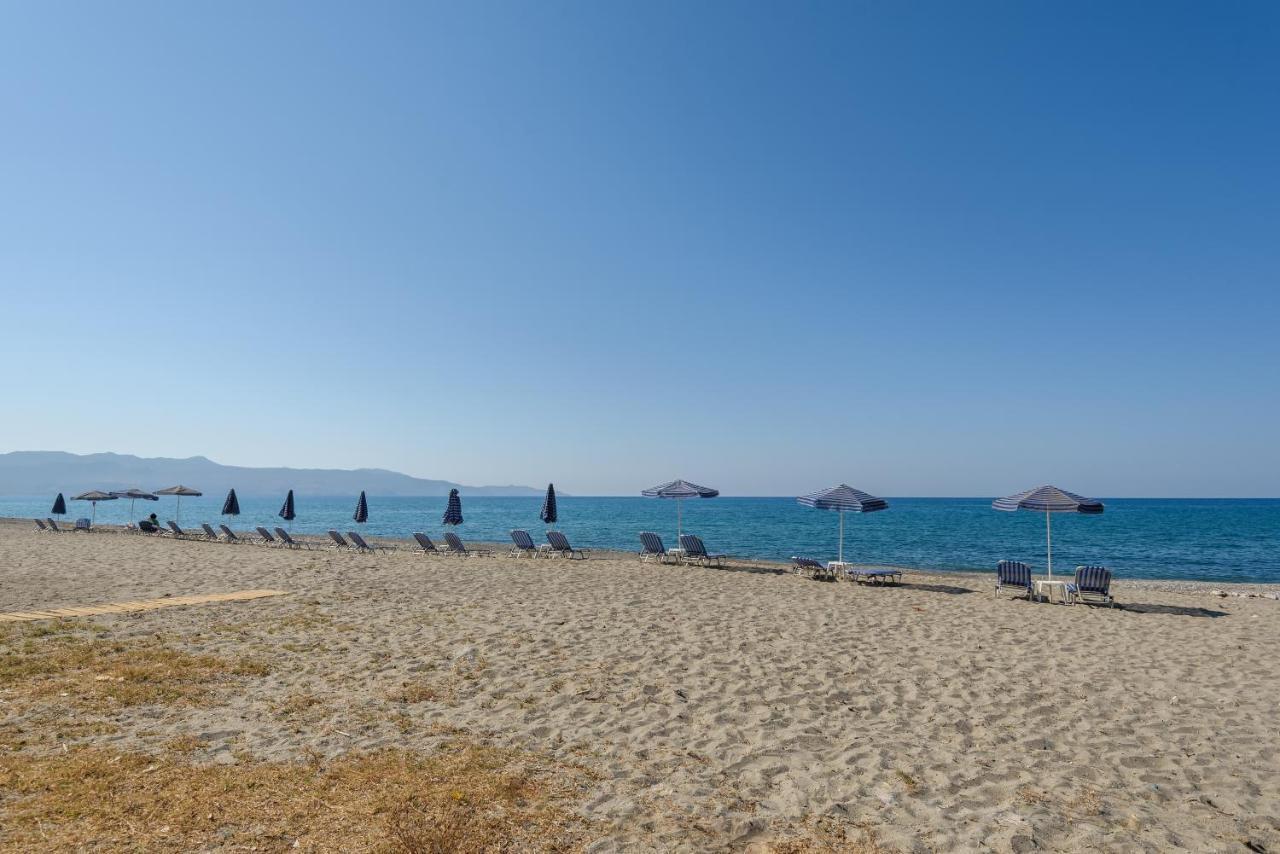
point(1045, 588)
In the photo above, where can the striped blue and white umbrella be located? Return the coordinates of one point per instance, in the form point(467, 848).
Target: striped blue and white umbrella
point(362, 510)
point(843, 499)
point(548, 514)
point(679, 490)
point(453, 512)
point(1048, 500)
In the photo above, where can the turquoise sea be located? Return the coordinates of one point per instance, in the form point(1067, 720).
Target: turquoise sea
point(1219, 539)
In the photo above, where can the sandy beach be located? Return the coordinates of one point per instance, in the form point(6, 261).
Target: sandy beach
point(701, 709)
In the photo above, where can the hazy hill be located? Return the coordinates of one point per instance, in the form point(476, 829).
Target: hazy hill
point(44, 472)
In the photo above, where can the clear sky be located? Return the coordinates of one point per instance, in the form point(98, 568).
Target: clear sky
point(922, 248)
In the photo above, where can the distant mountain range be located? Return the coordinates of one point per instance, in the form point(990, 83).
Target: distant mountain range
point(29, 473)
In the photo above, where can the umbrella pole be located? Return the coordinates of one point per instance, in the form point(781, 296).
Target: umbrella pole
point(1048, 540)
point(679, 520)
point(94, 514)
point(840, 553)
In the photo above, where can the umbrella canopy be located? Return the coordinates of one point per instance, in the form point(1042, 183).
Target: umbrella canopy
point(94, 496)
point(286, 511)
point(843, 499)
point(231, 507)
point(548, 514)
point(177, 492)
point(453, 512)
point(1048, 500)
point(59, 506)
point(133, 493)
point(362, 510)
point(679, 490)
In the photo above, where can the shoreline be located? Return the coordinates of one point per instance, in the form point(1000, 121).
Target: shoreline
point(1244, 589)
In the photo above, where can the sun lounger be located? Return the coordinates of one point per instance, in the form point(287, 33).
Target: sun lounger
point(815, 569)
point(265, 536)
point(208, 531)
point(229, 534)
point(338, 542)
point(695, 551)
point(360, 544)
point(524, 546)
point(425, 546)
point(288, 541)
point(651, 547)
point(175, 530)
point(1092, 586)
point(84, 525)
point(53, 526)
point(874, 575)
point(40, 526)
point(456, 547)
point(560, 545)
point(1014, 574)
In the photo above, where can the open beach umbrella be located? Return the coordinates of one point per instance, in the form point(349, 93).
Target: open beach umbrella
point(843, 499)
point(548, 514)
point(286, 510)
point(362, 510)
point(1048, 499)
point(453, 512)
point(133, 494)
point(177, 492)
point(680, 490)
point(231, 507)
point(59, 506)
point(94, 497)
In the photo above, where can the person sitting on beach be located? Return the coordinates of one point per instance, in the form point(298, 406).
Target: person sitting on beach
point(149, 525)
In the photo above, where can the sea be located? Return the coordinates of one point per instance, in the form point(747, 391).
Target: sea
point(1210, 539)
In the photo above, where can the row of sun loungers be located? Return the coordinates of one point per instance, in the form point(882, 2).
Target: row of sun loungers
point(1091, 584)
point(692, 550)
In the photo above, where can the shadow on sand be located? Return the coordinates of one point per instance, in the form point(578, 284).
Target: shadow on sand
point(1174, 610)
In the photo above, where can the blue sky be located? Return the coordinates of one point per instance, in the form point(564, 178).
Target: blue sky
point(926, 248)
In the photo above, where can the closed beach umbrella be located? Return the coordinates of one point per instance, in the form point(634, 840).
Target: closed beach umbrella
point(362, 510)
point(453, 512)
point(843, 499)
point(59, 506)
point(177, 492)
point(286, 511)
point(133, 493)
point(231, 507)
point(1048, 500)
point(548, 514)
point(680, 490)
point(94, 497)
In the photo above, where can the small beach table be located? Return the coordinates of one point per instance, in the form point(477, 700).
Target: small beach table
point(1045, 589)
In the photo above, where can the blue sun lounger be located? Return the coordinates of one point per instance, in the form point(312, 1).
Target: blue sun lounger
point(524, 546)
point(560, 545)
point(695, 551)
point(1014, 574)
point(876, 575)
point(1092, 586)
point(651, 547)
point(815, 569)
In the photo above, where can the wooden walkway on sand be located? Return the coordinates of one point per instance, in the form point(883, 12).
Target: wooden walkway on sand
point(128, 607)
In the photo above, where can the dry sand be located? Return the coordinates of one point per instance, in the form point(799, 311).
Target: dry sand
point(724, 709)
